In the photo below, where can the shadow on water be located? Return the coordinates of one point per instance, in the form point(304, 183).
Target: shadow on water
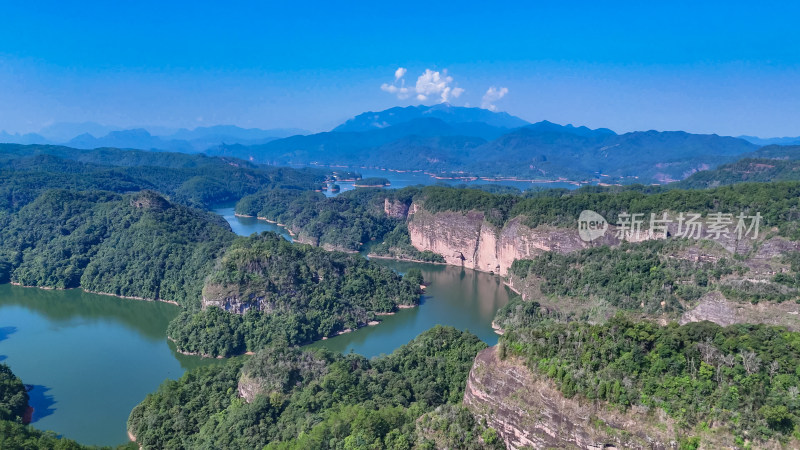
point(41, 402)
point(6, 331)
point(147, 318)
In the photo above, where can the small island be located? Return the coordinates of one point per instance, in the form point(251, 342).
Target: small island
point(335, 188)
point(372, 182)
point(346, 176)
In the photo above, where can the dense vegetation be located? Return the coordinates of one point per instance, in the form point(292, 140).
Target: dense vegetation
point(296, 399)
point(348, 221)
point(740, 377)
point(289, 293)
point(744, 170)
point(193, 180)
point(778, 203)
point(13, 395)
point(137, 245)
point(652, 276)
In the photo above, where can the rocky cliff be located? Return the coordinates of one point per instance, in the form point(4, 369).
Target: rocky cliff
point(528, 411)
point(467, 239)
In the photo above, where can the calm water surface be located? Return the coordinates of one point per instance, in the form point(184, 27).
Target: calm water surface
point(91, 358)
point(462, 298)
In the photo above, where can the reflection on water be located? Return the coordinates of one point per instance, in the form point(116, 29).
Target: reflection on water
point(91, 358)
point(245, 226)
point(68, 307)
point(462, 298)
point(42, 402)
point(458, 297)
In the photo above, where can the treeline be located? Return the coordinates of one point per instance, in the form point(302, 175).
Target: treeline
point(286, 398)
point(347, 221)
point(287, 293)
point(745, 170)
point(351, 221)
point(136, 245)
point(652, 276)
point(778, 203)
point(739, 378)
point(193, 180)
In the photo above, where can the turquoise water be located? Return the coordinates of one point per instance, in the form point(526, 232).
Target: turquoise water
point(91, 358)
point(463, 298)
point(245, 226)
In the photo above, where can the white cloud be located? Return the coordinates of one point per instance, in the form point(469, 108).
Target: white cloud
point(430, 85)
point(402, 91)
point(492, 95)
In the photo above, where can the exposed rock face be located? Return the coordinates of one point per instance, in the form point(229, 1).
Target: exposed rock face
point(248, 388)
point(395, 209)
point(714, 307)
point(150, 200)
point(527, 411)
point(468, 239)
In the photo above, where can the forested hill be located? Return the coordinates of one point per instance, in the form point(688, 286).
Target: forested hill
point(137, 245)
point(772, 163)
point(194, 180)
point(718, 385)
point(286, 398)
point(288, 293)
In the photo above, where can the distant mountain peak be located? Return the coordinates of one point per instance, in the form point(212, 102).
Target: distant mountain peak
point(547, 126)
point(446, 112)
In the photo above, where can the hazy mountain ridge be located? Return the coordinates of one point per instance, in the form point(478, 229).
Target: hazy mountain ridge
point(89, 135)
point(447, 139)
point(772, 141)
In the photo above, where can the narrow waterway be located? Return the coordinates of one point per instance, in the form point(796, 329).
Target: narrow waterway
point(462, 298)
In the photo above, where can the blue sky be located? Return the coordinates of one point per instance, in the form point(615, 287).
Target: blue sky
point(720, 67)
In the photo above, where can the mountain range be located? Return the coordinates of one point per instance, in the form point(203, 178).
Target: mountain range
point(89, 135)
point(443, 140)
point(456, 141)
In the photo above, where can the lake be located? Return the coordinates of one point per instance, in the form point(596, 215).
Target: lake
point(91, 358)
point(400, 180)
point(463, 298)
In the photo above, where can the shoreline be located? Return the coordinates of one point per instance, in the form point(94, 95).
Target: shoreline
point(455, 176)
point(50, 288)
point(370, 323)
point(418, 261)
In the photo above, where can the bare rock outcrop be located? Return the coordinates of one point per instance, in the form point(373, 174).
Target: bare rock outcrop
point(714, 307)
point(395, 209)
point(467, 239)
point(528, 411)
